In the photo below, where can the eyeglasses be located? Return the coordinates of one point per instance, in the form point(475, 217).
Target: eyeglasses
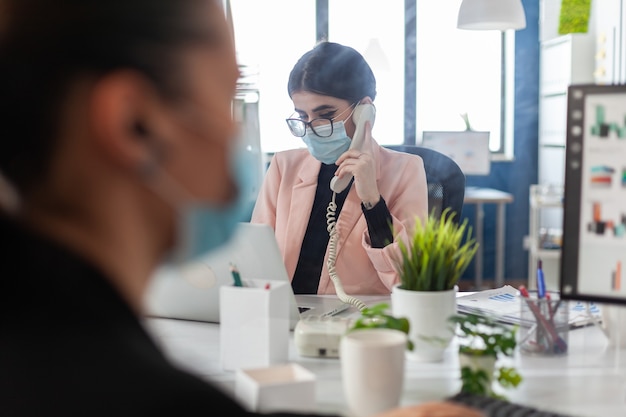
point(322, 127)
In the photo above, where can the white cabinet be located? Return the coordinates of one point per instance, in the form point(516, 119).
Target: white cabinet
point(565, 60)
point(544, 243)
point(549, 11)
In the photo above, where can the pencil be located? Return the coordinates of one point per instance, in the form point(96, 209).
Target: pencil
point(236, 277)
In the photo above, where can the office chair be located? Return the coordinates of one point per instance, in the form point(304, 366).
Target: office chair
point(446, 181)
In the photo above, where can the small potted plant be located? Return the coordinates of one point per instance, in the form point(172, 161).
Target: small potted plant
point(483, 343)
point(377, 317)
point(430, 265)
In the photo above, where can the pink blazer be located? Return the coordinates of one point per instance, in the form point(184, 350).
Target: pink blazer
point(285, 202)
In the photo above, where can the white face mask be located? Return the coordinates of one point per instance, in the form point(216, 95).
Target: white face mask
point(327, 150)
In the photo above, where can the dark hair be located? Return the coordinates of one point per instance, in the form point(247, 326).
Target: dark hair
point(46, 45)
point(333, 70)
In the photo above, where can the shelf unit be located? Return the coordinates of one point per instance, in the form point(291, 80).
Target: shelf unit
point(564, 60)
point(543, 200)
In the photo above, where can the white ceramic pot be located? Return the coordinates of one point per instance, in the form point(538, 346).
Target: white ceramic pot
point(475, 362)
point(428, 313)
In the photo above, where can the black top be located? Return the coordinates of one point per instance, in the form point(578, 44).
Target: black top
point(70, 346)
point(306, 278)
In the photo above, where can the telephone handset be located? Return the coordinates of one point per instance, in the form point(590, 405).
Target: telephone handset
point(362, 113)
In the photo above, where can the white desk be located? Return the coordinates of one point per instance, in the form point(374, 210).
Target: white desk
point(588, 382)
point(479, 197)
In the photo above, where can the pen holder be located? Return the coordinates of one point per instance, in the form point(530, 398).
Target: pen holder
point(545, 325)
point(254, 324)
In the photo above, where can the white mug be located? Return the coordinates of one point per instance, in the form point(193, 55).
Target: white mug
point(372, 367)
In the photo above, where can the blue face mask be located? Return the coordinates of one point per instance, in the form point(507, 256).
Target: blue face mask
point(328, 150)
point(204, 227)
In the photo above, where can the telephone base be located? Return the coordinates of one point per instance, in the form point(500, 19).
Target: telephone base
point(319, 337)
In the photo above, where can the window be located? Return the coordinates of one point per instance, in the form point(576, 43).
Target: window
point(270, 36)
point(358, 23)
point(456, 71)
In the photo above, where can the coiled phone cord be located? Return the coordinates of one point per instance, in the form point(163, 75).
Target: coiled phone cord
point(331, 223)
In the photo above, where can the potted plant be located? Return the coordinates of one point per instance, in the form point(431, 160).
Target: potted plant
point(483, 344)
point(430, 265)
point(377, 316)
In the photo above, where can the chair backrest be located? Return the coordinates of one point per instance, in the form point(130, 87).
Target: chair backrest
point(446, 181)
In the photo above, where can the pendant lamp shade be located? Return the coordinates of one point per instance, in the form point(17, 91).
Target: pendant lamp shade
point(491, 15)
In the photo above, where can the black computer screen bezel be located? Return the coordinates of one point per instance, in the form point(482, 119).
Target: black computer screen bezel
point(585, 145)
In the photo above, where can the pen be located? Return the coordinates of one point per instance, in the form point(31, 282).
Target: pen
point(236, 277)
point(538, 328)
point(549, 301)
point(523, 291)
point(541, 282)
point(559, 344)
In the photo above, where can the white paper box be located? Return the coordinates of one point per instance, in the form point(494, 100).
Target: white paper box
point(254, 324)
point(288, 387)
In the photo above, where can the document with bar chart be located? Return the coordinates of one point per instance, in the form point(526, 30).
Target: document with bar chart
point(504, 305)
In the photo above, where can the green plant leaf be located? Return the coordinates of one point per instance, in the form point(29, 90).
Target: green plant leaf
point(508, 377)
point(377, 316)
point(475, 381)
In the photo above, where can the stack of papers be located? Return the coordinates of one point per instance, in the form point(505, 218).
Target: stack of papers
point(504, 305)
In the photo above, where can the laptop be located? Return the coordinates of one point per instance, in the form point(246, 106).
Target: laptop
point(191, 291)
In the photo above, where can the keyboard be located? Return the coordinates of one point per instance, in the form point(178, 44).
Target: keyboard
point(494, 407)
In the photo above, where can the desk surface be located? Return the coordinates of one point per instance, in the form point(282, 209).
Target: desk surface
point(588, 381)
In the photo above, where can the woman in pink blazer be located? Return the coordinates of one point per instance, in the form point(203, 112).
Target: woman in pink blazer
point(333, 88)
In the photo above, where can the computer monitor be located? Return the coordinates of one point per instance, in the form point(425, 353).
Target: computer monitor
point(468, 148)
point(593, 258)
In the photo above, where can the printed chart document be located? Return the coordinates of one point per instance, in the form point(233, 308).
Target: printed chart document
point(504, 305)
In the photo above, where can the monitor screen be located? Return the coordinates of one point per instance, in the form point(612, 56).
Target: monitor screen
point(468, 148)
point(594, 216)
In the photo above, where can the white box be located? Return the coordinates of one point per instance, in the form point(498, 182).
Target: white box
point(288, 387)
point(254, 324)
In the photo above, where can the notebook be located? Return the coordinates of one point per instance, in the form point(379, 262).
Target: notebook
point(191, 291)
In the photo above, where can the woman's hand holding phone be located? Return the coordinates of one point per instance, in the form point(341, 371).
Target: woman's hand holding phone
point(358, 161)
point(361, 164)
